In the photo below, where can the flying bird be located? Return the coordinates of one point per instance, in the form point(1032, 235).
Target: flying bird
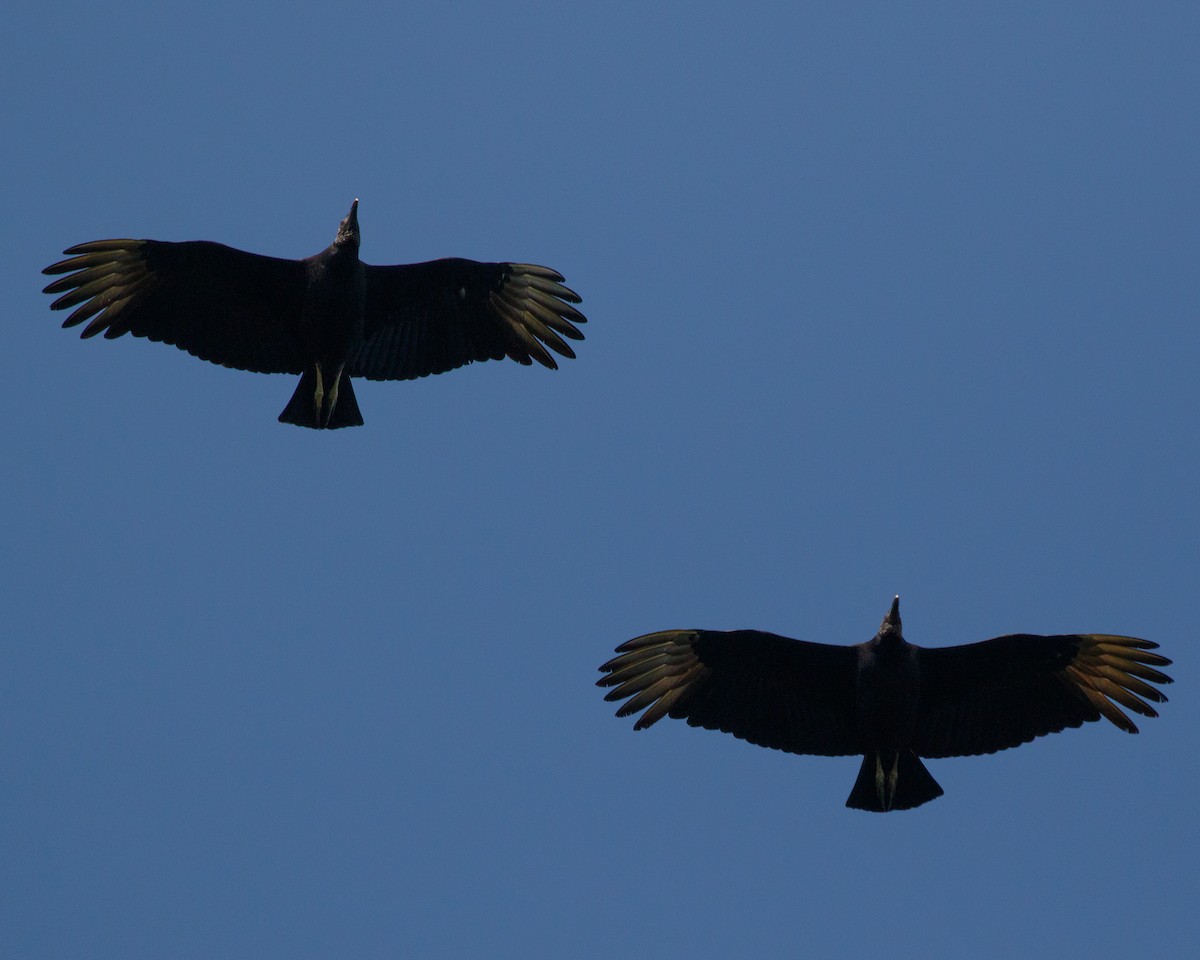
point(328, 318)
point(889, 700)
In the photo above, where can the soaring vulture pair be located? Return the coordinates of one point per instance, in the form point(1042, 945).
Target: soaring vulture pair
point(889, 700)
point(327, 318)
point(331, 317)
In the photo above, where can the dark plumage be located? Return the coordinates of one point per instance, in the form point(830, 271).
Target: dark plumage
point(327, 318)
point(889, 700)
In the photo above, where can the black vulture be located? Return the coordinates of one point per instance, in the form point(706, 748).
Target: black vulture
point(327, 318)
point(889, 700)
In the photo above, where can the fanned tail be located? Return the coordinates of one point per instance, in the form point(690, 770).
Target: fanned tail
point(900, 782)
point(335, 409)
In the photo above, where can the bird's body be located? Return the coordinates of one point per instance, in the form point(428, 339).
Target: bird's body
point(890, 701)
point(887, 691)
point(328, 317)
point(331, 323)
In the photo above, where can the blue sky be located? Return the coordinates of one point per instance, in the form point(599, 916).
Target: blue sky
point(882, 299)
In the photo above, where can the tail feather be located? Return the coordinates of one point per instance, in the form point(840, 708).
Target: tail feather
point(304, 410)
point(901, 784)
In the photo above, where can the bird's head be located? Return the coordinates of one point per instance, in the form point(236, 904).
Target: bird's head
point(891, 623)
point(347, 235)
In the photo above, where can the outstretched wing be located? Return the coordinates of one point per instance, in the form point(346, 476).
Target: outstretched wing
point(425, 318)
point(230, 307)
point(767, 689)
point(984, 697)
